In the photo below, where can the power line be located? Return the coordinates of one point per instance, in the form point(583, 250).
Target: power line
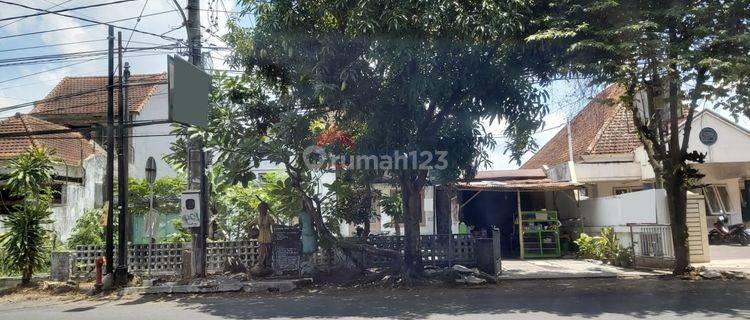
point(72, 43)
point(138, 20)
point(72, 95)
point(18, 134)
point(91, 20)
point(70, 65)
point(20, 19)
point(51, 45)
point(47, 70)
point(90, 25)
point(66, 56)
point(46, 137)
point(46, 11)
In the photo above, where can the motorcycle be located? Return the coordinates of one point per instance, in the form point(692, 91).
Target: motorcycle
point(722, 233)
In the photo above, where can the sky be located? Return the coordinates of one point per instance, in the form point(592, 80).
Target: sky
point(25, 83)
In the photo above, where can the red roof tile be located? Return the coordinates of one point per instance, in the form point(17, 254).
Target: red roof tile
point(70, 147)
point(88, 95)
point(603, 126)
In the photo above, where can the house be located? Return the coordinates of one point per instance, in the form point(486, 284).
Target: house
point(78, 174)
point(81, 102)
point(610, 161)
point(490, 202)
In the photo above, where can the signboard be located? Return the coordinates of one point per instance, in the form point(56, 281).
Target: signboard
point(708, 136)
point(287, 249)
point(190, 212)
point(188, 89)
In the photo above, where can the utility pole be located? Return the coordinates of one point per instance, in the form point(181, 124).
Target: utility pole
point(121, 272)
point(199, 236)
point(110, 179)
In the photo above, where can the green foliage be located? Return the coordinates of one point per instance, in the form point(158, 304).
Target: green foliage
point(23, 244)
point(605, 247)
point(393, 207)
point(182, 234)
point(88, 229)
point(240, 203)
point(351, 199)
point(165, 190)
point(587, 246)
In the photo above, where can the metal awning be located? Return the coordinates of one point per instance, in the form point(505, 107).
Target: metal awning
point(527, 185)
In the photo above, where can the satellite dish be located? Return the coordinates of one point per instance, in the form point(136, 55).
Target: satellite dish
point(150, 170)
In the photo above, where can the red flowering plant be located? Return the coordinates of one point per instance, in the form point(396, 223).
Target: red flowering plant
point(336, 141)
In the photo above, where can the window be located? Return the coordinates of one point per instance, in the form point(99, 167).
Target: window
point(717, 198)
point(623, 190)
point(58, 194)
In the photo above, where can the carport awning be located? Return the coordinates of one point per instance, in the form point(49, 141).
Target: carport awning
point(519, 185)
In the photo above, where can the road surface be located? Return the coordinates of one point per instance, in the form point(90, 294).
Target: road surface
point(586, 298)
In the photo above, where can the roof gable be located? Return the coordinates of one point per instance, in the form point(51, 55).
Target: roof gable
point(88, 95)
point(603, 126)
point(72, 147)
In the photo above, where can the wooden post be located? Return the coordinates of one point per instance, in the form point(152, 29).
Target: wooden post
point(520, 223)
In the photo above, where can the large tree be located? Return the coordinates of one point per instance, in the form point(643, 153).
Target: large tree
point(411, 75)
point(668, 57)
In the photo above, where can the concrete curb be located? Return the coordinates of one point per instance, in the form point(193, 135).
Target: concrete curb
point(253, 286)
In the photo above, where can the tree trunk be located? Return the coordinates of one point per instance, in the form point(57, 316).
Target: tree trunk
point(26, 275)
point(366, 228)
point(412, 202)
point(677, 202)
point(397, 225)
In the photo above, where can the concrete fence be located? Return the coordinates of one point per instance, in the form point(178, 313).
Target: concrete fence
point(159, 258)
point(167, 258)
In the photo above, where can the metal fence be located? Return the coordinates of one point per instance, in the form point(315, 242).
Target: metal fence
point(651, 245)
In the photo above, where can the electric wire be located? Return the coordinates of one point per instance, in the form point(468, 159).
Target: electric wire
point(91, 20)
point(138, 20)
point(90, 25)
point(21, 19)
point(46, 11)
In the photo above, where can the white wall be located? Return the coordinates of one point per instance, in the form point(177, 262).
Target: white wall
point(730, 140)
point(156, 108)
point(79, 197)
point(427, 227)
point(648, 206)
point(607, 171)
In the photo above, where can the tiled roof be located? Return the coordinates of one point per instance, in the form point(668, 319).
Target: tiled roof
point(70, 147)
point(88, 95)
point(603, 126)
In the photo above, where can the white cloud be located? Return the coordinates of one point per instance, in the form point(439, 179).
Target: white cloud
point(141, 61)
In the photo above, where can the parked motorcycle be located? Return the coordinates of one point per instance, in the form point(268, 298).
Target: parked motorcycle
point(722, 233)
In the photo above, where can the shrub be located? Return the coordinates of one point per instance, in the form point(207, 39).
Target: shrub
point(87, 230)
point(605, 247)
point(30, 177)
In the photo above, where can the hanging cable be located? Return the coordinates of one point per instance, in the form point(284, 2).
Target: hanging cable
point(136, 25)
point(107, 23)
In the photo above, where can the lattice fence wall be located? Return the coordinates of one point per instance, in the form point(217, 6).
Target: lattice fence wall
point(437, 250)
point(244, 251)
point(165, 258)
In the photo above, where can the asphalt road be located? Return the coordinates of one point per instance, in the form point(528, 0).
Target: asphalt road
point(603, 298)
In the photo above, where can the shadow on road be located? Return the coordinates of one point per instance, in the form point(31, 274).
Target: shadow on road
point(580, 298)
